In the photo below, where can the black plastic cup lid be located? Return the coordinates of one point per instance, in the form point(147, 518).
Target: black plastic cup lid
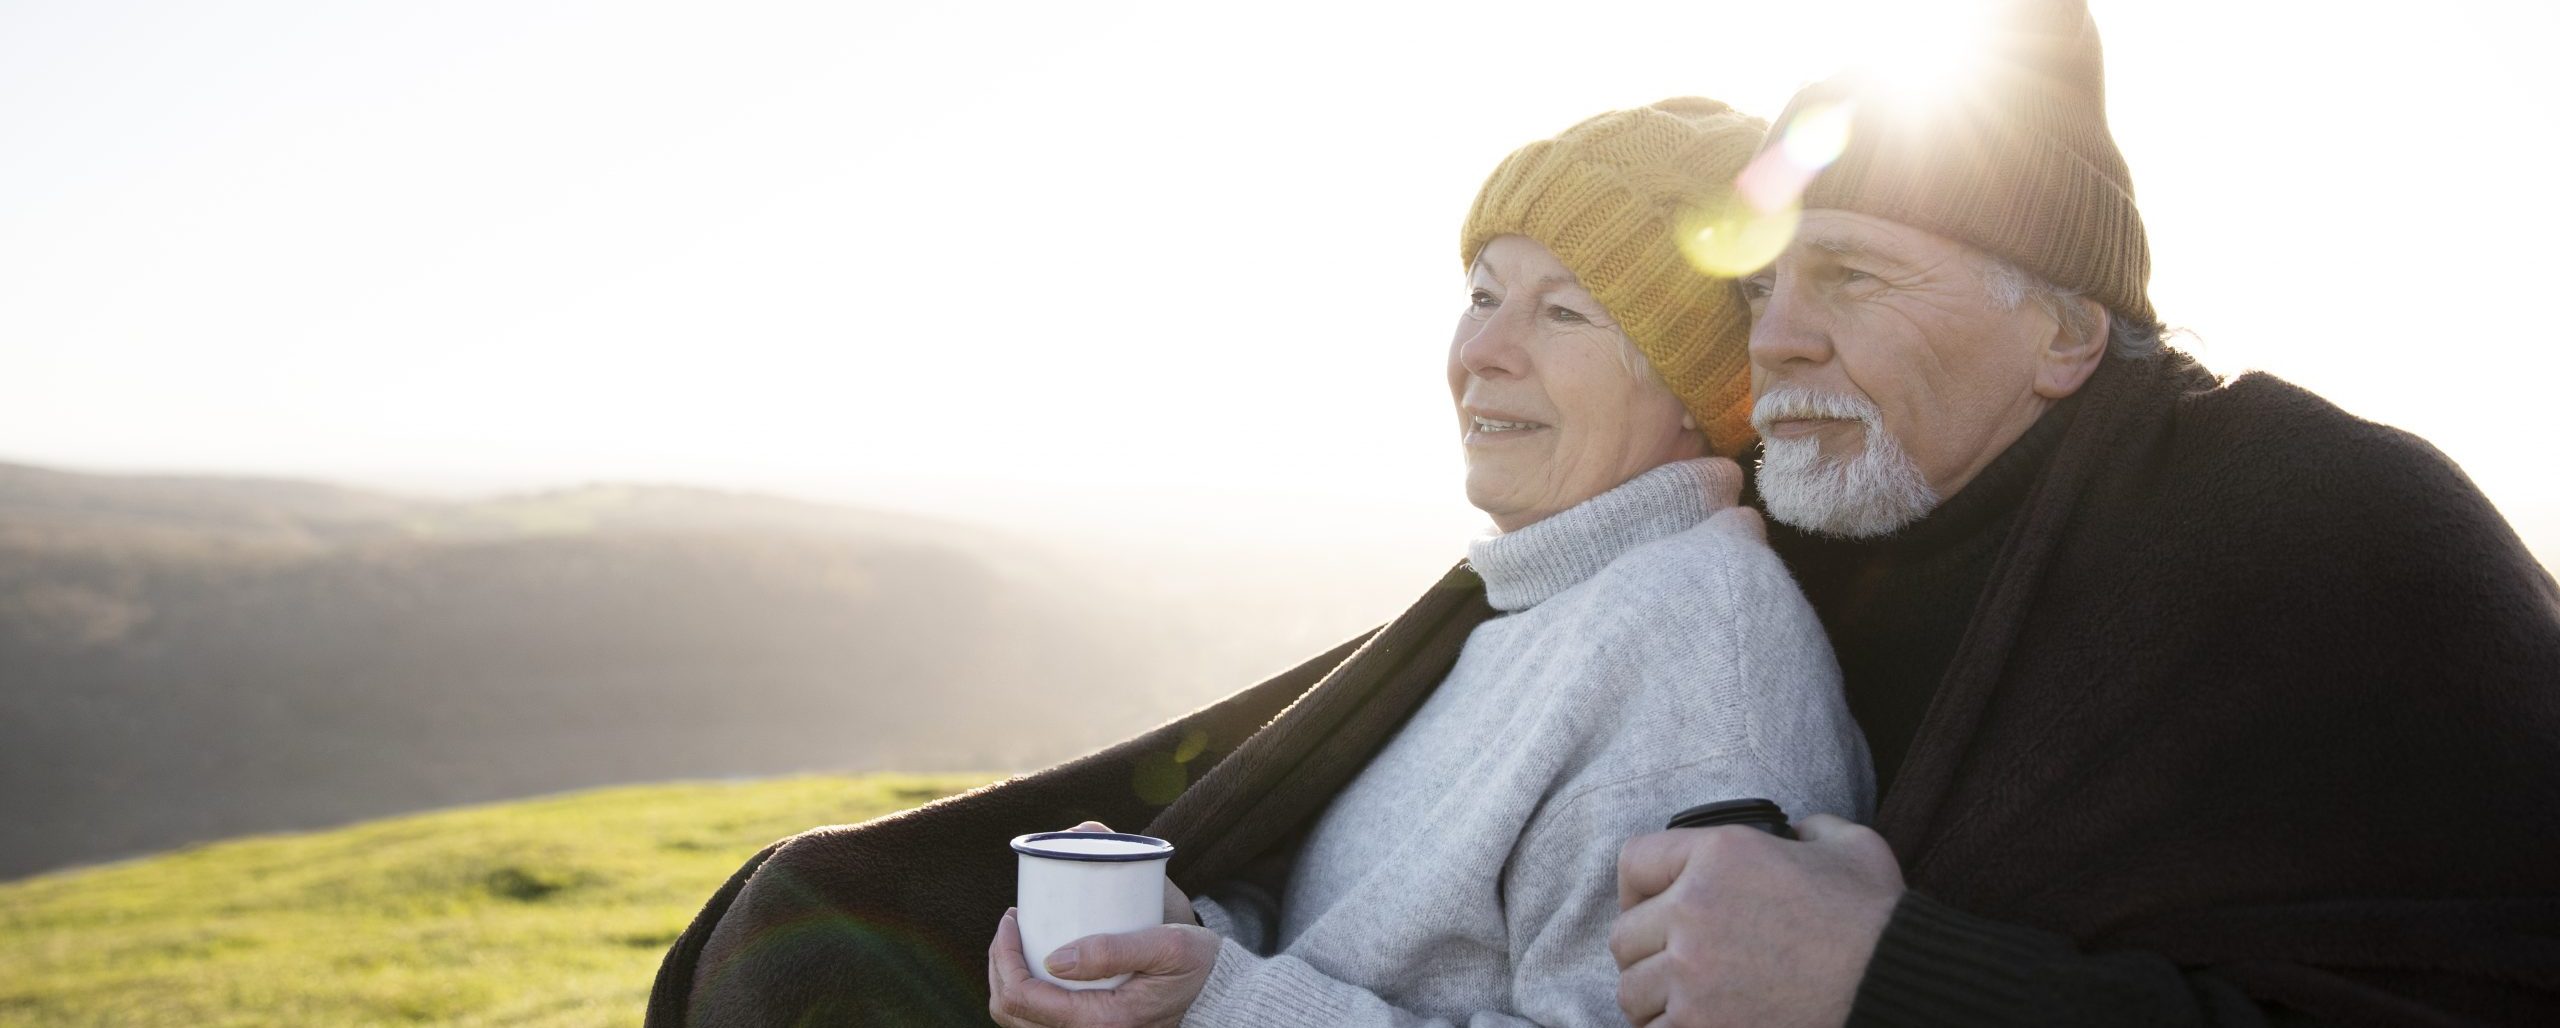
point(1765, 815)
point(1148, 846)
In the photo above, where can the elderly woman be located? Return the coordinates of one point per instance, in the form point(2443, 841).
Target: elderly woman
point(1649, 653)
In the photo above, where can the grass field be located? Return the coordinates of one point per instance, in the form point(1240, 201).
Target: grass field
point(544, 912)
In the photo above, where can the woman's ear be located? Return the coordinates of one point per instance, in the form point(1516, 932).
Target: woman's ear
point(2071, 355)
point(1693, 441)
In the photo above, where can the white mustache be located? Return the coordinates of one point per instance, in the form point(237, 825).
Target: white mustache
point(1872, 493)
point(1788, 404)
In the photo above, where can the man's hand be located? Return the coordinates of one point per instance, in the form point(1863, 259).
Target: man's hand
point(1732, 926)
point(1167, 965)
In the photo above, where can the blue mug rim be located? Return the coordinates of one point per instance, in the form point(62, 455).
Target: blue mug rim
point(1158, 849)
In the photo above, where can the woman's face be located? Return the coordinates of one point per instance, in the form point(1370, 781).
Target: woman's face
point(1555, 404)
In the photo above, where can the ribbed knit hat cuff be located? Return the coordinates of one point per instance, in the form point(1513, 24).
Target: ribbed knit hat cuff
point(2009, 190)
point(2080, 245)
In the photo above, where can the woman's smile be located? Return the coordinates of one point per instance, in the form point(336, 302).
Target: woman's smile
point(1484, 429)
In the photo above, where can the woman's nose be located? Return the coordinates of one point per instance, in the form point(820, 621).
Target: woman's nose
point(1496, 350)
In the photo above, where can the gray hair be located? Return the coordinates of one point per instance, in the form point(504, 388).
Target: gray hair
point(1632, 358)
point(2010, 285)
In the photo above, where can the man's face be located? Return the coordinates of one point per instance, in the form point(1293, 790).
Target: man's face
point(1860, 308)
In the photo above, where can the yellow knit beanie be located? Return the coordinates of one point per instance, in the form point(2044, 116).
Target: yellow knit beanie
point(1609, 197)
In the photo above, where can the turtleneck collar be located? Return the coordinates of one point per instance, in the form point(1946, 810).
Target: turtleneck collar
point(1523, 568)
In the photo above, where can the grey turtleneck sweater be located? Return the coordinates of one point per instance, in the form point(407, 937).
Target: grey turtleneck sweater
point(1647, 658)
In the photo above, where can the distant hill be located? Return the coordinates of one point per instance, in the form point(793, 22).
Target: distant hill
point(190, 658)
point(549, 912)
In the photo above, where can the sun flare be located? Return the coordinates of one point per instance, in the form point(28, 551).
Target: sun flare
point(1926, 49)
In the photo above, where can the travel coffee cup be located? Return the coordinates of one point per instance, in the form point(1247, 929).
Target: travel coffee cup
point(1069, 885)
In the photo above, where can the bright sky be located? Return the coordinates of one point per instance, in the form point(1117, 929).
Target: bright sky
point(1061, 258)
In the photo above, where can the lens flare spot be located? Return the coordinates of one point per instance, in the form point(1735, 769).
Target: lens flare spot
point(1158, 779)
point(1739, 238)
point(1776, 179)
point(1819, 134)
point(1750, 230)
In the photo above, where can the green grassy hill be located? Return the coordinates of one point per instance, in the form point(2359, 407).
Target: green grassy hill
point(551, 911)
point(189, 659)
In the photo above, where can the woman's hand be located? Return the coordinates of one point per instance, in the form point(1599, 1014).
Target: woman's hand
point(1167, 966)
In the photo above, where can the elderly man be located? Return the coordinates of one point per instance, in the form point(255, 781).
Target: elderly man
point(2192, 702)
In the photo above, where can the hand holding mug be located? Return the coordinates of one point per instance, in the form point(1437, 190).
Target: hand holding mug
point(1166, 965)
point(1131, 975)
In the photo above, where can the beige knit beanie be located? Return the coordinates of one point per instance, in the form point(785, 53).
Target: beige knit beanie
point(1608, 197)
point(2015, 160)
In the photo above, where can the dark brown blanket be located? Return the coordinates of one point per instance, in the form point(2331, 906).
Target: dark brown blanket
point(887, 922)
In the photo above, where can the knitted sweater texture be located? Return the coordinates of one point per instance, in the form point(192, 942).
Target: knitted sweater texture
point(1647, 658)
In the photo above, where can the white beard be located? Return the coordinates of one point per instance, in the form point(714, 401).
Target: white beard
point(1872, 494)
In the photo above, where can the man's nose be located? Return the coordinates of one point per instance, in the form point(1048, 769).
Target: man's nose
point(1789, 328)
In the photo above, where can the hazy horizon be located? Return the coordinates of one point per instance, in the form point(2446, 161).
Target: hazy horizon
point(192, 657)
point(1127, 515)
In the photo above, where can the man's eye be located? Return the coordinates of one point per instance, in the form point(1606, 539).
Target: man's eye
point(1565, 314)
point(1756, 287)
point(1854, 275)
point(1482, 300)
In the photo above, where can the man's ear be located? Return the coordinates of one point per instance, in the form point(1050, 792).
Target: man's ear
point(2070, 357)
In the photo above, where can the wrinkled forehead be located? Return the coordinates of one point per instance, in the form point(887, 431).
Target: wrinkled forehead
point(1519, 262)
point(1828, 232)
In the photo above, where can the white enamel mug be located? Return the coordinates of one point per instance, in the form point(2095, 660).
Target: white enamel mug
point(1069, 885)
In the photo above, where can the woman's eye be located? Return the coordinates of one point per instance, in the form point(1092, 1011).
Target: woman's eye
point(1482, 300)
point(1565, 314)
